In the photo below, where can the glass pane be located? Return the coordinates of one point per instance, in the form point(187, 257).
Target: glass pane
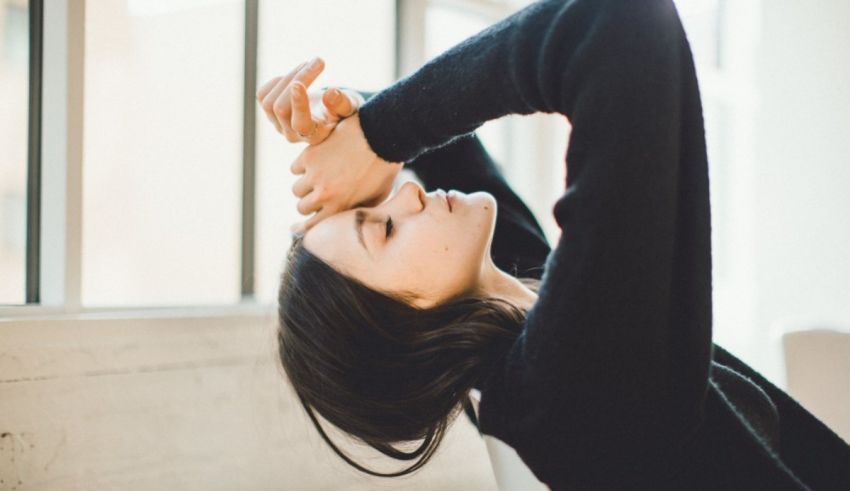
point(355, 56)
point(163, 140)
point(14, 81)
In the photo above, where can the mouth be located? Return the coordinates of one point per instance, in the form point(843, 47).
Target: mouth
point(451, 198)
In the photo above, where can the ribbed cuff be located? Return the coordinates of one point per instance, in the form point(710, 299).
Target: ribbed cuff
point(390, 136)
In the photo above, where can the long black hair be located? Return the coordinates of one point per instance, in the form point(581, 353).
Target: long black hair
point(378, 368)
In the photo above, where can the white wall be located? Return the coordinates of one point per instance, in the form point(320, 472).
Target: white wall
point(802, 171)
point(182, 401)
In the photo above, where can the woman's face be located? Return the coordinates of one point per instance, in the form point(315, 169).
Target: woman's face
point(432, 253)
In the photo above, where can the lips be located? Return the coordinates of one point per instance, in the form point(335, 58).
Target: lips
point(451, 197)
point(448, 196)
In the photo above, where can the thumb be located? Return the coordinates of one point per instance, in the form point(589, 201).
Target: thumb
point(338, 103)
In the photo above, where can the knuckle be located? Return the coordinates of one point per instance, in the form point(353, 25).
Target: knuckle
point(325, 193)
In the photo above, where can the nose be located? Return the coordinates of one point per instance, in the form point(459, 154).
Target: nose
point(411, 196)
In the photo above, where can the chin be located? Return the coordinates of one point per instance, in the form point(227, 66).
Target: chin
point(486, 205)
point(483, 199)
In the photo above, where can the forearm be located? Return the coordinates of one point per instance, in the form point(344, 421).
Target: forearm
point(526, 63)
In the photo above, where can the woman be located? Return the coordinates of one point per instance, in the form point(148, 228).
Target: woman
point(602, 377)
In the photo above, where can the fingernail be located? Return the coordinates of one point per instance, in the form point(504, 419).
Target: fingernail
point(334, 95)
point(314, 62)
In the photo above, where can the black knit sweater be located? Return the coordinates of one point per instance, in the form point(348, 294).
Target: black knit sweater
point(614, 382)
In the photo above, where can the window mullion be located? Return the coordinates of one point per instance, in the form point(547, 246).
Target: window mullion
point(34, 153)
point(63, 71)
point(249, 149)
point(410, 36)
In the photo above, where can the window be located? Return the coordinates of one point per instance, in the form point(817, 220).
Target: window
point(14, 96)
point(348, 36)
point(162, 152)
point(150, 195)
point(163, 164)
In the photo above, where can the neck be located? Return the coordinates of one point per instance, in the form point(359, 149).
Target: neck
point(496, 283)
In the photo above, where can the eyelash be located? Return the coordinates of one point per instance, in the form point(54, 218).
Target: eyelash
point(389, 226)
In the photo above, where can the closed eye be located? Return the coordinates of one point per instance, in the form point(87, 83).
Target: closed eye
point(389, 226)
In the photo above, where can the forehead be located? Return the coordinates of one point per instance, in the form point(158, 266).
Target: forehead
point(334, 240)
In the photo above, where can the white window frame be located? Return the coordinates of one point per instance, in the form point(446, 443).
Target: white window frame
point(62, 133)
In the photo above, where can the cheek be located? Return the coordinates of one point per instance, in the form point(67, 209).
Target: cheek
point(459, 256)
point(441, 266)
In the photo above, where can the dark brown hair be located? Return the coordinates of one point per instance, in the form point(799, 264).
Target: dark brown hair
point(378, 368)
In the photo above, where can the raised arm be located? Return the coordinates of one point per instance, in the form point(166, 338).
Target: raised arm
point(536, 60)
point(613, 362)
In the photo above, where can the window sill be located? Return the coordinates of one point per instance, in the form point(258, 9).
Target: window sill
point(44, 312)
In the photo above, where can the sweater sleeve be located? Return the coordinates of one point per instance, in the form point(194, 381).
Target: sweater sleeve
point(612, 364)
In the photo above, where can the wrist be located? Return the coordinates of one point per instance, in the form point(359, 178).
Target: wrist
point(375, 157)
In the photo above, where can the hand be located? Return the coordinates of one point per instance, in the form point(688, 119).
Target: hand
point(303, 117)
point(341, 173)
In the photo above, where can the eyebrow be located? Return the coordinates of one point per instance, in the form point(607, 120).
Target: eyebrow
point(359, 218)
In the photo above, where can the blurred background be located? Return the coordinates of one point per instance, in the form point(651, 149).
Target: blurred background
point(184, 190)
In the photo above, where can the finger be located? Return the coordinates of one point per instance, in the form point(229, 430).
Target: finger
point(297, 167)
point(263, 91)
point(339, 105)
point(282, 106)
point(302, 121)
point(356, 98)
point(291, 136)
point(303, 226)
point(307, 75)
point(310, 203)
point(302, 187)
point(272, 92)
point(268, 102)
